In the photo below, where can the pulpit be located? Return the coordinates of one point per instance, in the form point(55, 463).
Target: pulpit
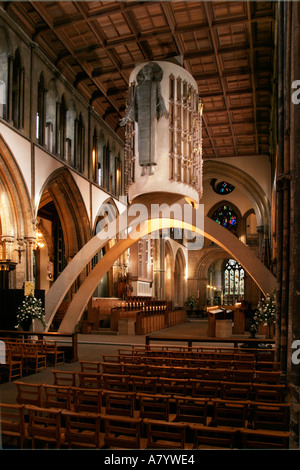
point(219, 322)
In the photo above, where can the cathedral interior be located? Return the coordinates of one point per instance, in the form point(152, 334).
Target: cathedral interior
point(112, 109)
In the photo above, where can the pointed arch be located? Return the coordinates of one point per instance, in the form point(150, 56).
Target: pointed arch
point(71, 209)
point(243, 181)
point(15, 208)
point(180, 278)
point(169, 271)
point(236, 249)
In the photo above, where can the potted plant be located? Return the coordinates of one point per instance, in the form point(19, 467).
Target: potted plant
point(190, 303)
point(30, 310)
point(265, 314)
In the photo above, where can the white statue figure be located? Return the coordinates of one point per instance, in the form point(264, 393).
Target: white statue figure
point(146, 107)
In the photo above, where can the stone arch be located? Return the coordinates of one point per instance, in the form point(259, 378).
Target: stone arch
point(180, 278)
point(71, 209)
point(169, 271)
point(236, 249)
point(15, 208)
point(243, 181)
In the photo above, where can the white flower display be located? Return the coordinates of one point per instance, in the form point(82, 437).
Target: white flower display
point(265, 313)
point(30, 309)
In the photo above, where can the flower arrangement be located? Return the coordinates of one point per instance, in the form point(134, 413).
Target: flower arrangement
point(30, 309)
point(265, 313)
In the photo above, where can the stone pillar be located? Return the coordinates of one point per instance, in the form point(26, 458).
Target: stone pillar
point(294, 317)
point(29, 244)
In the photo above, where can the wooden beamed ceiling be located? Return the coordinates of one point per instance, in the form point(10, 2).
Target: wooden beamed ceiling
point(227, 46)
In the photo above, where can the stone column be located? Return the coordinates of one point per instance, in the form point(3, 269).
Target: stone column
point(294, 317)
point(29, 244)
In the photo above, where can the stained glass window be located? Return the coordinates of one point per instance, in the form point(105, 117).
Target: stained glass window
point(223, 187)
point(225, 216)
point(234, 276)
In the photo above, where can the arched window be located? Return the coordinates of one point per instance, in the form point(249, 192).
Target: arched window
point(70, 132)
point(223, 187)
point(18, 92)
point(40, 115)
point(62, 129)
point(226, 217)
point(3, 73)
point(51, 109)
point(234, 277)
point(79, 164)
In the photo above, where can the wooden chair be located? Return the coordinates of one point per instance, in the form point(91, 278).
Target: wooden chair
point(82, 430)
point(90, 366)
point(272, 416)
point(44, 424)
point(262, 439)
point(267, 377)
point(204, 388)
point(232, 413)
point(163, 435)
point(90, 380)
point(243, 365)
point(172, 386)
point(265, 355)
point(155, 406)
point(135, 369)
point(214, 373)
point(240, 375)
point(35, 358)
point(53, 353)
point(29, 393)
point(12, 424)
point(87, 400)
point(267, 365)
point(112, 368)
point(57, 396)
point(235, 390)
point(190, 409)
point(122, 432)
point(115, 382)
point(118, 403)
point(141, 384)
point(13, 367)
point(206, 437)
point(66, 378)
point(268, 392)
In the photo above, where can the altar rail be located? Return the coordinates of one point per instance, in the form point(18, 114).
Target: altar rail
point(251, 342)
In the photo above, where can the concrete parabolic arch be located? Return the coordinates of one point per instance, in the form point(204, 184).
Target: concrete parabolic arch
point(127, 228)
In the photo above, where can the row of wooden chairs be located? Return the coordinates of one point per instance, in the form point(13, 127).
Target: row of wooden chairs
point(206, 352)
point(24, 356)
point(42, 427)
point(212, 388)
point(237, 362)
point(167, 407)
point(208, 373)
